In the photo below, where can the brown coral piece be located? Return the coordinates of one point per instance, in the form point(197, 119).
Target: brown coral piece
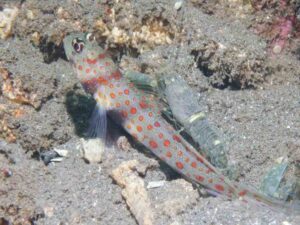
point(6, 130)
point(6, 133)
point(7, 18)
point(12, 89)
point(152, 32)
point(133, 191)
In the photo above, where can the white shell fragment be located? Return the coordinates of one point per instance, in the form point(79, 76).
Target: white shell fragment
point(58, 159)
point(178, 4)
point(277, 49)
point(281, 160)
point(286, 223)
point(156, 184)
point(93, 150)
point(61, 152)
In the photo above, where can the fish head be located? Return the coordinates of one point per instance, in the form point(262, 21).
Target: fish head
point(81, 49)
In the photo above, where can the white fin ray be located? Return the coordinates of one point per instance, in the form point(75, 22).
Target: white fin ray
point(98, 123)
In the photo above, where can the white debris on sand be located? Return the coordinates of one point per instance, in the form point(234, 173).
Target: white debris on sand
point(93, 150)
point(134, 191)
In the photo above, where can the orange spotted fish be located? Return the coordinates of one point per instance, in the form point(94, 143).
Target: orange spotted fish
point(137, 114)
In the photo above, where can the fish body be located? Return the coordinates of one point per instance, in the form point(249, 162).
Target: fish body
point(140, 117)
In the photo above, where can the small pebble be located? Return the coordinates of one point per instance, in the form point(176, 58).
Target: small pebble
point(286, 223)
point(48, 156)
point(279, 160)
point(58, 159)
point(277, 49)
point(155, 184)
point(178, 5)
point(48, 211)
point(93, 150)
point(61, 152)
point(7, 172)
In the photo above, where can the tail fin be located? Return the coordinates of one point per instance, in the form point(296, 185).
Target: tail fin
point(248, 194)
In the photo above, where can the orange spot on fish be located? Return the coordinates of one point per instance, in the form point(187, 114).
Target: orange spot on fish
point(143, 105)
point(111, 85)
point(219, 187)
point(133, 110)
point(91, 61)
point(149, 127)
point(120, 93)
point(242, 193)
point(126, 92)
point(157, 124)
point(200, 159)
point(139, 128)
point(102, 80)
point(112, 95)
point(167, 143)
point(150, 114)
point(160, 135)
point(180, 153)
point(101, 56)
point(199, 178)
point(209, 170)
point(153, 144)
point(169, 154)
point(88, 70)
point(179, 165)
point(127, 102)
point(141, 118)
point(116, 75)
point(210, 180)
point(118, 105)
point(176, 138)
point(194, 164)
point(128, 126)
point(80, 67)
point(124, 114)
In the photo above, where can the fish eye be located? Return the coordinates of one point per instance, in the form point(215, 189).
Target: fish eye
point(90, 37)
point(78, 45)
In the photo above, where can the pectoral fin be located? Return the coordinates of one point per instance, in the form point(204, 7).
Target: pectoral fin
point(98, 123)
